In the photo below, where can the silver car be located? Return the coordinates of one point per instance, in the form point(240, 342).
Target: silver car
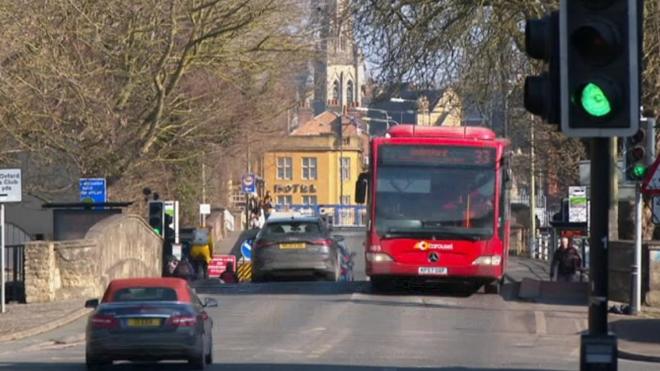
point(294, 246)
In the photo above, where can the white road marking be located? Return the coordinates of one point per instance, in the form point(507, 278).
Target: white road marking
point(328, 344)
point(539, 319)
point(315, 329)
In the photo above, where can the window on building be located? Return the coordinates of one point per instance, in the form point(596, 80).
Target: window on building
point(284, 171)
point(335, 90)
point(284, 200)
point(345, 168)
point(349, 93)
point(309, 168)
point(309, 200)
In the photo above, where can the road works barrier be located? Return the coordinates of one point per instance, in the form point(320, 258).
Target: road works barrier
point(244, 272)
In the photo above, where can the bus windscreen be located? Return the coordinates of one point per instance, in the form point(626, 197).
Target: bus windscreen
point(444, 191)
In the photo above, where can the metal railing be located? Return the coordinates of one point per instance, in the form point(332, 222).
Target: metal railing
point(337, 215)
point(15, 273)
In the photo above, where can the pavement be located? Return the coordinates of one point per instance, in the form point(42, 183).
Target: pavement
point(638, 336)
point(24, 320)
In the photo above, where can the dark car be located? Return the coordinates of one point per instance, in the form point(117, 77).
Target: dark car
point(295, 246)
point(149, 319)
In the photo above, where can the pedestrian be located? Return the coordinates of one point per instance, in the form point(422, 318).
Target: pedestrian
point(171, 264)
point(267, 205)
point(201, 251)
point(566, 262)
point(254, 220)
point(184, 270)
point(229, 276)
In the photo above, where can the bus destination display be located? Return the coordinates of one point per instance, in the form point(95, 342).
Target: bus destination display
point(435, 155)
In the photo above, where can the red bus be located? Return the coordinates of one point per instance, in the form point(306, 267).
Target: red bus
point(438, 206)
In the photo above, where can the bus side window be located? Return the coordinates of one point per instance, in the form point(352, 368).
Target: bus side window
point(504, 197)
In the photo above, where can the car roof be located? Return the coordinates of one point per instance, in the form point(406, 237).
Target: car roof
point(180, 286)
point(284, 219)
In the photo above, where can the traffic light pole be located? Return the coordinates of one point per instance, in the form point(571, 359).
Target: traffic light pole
point(636, 269)
point(598, 350)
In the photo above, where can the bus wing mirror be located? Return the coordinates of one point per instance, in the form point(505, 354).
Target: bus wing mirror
point(508, 179)
point(361, 188)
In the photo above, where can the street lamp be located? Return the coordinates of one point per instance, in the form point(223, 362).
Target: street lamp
point(402, 100)
point(387, 120)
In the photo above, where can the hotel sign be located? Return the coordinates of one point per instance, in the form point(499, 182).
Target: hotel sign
point(294, 188)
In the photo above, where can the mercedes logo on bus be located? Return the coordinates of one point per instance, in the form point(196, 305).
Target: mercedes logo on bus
point(433, 257)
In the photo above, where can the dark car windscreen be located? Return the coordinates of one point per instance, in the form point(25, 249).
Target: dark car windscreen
point(145, 294)
point(292, 227)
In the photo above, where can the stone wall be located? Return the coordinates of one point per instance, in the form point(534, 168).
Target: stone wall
point(119, 246)
point(653, 295)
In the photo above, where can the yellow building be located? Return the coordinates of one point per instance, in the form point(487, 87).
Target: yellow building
point(315, 165)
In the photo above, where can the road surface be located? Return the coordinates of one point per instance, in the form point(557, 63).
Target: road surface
point(326, 326)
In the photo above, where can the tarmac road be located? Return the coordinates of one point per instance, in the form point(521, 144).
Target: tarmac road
point(298, 326)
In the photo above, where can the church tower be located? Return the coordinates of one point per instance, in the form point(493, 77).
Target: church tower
point(338, 69)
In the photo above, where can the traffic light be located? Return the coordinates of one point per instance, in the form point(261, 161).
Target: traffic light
point(157, 216)
point(639, 152)
point(600, 67)
point(542, 92)
point(635, 153)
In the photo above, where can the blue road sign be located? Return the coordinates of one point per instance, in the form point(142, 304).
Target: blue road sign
point(246, 250)
point(249, 183)
point(93, 190)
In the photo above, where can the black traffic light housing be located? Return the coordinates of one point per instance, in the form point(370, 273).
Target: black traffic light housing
point(635, 152)
point(157, 217)
point(600, 67)
point(639, 153)
point(542, 92)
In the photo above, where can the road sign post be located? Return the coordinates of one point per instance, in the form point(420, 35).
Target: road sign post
point(10, 191)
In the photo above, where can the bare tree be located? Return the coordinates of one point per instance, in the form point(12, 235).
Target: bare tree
point(137, 91)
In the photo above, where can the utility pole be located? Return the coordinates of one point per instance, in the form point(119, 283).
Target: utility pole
point(532, 195)
point(202, 216)
point(614, 186)
point(247, 167)
point(341, 162)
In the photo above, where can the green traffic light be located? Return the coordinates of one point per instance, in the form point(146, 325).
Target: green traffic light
point(594, 100)
point(157, 230)
point(639, 171)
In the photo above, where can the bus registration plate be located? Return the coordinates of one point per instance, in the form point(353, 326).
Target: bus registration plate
point(440, 271)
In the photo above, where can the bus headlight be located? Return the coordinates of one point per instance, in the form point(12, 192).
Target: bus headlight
point(378, 257)
point(488, 260)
